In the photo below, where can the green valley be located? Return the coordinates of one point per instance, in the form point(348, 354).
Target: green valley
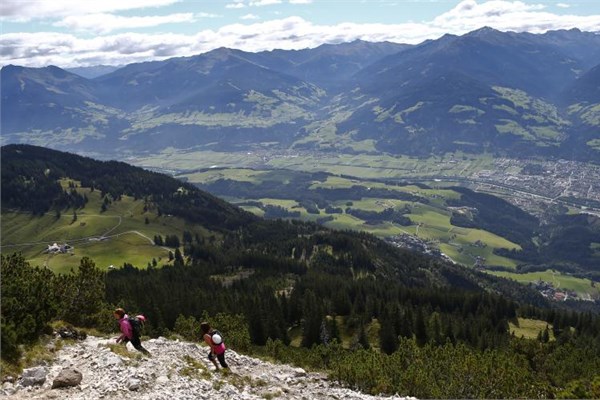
point(433, 213)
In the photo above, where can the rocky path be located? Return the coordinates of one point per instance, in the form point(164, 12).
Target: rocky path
point(176, 370)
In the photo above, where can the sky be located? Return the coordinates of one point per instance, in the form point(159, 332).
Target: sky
point(73, 33)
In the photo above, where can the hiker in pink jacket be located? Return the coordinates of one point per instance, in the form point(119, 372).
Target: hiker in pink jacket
point(217, 349)
point(127, 332)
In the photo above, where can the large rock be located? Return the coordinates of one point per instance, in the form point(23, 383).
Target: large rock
point(33, 376)
point(8, 388)
point(67, 377)
point(67, 332)
point(133, 384)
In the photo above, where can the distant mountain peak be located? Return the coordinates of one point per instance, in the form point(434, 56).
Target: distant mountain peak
point(485, 32)
point(222, 51)
point(484, 29)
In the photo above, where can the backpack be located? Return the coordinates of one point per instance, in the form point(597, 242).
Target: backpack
point(216, 337)
point(136, 326)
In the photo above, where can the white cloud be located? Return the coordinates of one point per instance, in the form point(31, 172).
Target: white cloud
point(509, 15)
point(300, 1)
point(249, 17)
point(105, 23)
point(207, 15)
point(236, 4)
point(25, 10)
point(66, 50)
point(563, 5)
point(262, 3)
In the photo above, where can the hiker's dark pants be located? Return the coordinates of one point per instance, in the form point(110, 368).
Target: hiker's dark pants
point(220, 357)
point(135, 341)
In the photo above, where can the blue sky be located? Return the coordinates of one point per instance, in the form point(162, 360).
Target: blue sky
point(72, 33)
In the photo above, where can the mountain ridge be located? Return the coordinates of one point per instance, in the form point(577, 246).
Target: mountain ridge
point(509, 91)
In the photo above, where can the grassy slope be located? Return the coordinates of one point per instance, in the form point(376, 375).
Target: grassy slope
point(529, 328)
point(560, 281)
point(129, 237)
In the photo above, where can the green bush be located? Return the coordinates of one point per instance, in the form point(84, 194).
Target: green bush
point(234, 328)
point(448, 371)
point(188, 328)
point(29, 302)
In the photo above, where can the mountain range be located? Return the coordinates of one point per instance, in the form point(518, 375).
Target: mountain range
point(486, 91)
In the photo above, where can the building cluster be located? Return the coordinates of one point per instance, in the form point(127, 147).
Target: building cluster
point(56, 248)
point(413, 243)
point(552, 180)
point(548, 290)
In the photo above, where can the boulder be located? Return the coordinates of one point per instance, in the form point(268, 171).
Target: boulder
point(299, 372)
point(8, 388)
point(66, 378)
point(133, 384)
point(33, 376)
point(67, 332)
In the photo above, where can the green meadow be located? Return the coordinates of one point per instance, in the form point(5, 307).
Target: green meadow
point(122, 234)
point(529, 328)
point(560, 281)
point(431, 222)
point(364, 166)
point(127, 247)
point(129, 230)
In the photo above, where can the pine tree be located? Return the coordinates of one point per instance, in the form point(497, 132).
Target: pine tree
point(362, 339)
point(420, 329)
point(178, 257)
point(256, 325)
point(546, 335)
point(435, 329)
point(334, 330)
point(388, 341)
point(83, 295)
point(311, 312)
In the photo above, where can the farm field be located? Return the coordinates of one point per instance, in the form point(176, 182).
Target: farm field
point(558, 280)
point(124, 232)
point(367, 166)
point(430, 219)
